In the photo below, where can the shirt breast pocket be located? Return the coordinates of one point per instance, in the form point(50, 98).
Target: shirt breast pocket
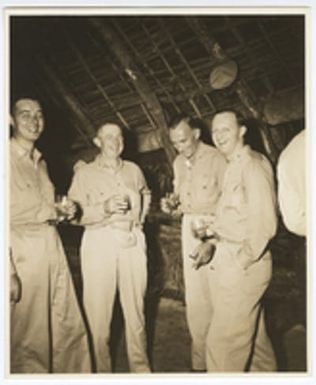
point(208, 187)
point(93, 197)
point(237, 196)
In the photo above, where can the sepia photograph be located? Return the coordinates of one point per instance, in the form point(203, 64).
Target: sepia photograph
point(157, 192)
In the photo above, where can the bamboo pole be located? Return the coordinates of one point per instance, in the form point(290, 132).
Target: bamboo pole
point(71, 102)
point(151, 72)
point(186, 64)
point(101, 90)
point(252, 58)
point(174, 75)
point(151, 101)
point(217, 52)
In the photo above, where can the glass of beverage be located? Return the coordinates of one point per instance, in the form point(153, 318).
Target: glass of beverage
point(126, 202)
point(172, 201)
point(61, 204)
point(198, 228)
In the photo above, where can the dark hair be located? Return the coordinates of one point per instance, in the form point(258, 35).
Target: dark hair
point(17, 99)
point(176, 120)
point(241, 120)
point(192, 122)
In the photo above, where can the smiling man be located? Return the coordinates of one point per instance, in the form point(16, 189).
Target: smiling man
point(241, 268)
point(114, 199)
point(47, 330)
point(198, 174)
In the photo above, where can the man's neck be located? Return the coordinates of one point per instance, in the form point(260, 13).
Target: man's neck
point(197, 145)
point(113, 163)
point(237, 150)
point(27, 145)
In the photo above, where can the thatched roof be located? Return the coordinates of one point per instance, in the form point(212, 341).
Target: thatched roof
point(139, 71)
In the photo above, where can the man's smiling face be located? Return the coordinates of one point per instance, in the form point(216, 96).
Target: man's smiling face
point(27, 120)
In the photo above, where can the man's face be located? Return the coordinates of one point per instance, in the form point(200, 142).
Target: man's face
point(27, 120)
point(184, 139)
point(111, 140)
point(227, 135)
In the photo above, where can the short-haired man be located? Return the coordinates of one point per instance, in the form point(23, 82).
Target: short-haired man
point(114, 199)
point(198, 172)
point(241, 267)
point(47, 331)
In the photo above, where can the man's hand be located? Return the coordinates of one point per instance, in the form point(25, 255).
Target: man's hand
point(70, 209)
point(117, 204)
point(169, 203)
point(15, 288)
point(65, 208)
point(164, 205)
point(203, 254)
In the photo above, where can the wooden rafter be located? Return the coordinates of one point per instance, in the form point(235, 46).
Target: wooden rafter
point(150, 71)
point(219, 54)
point(186, 64)
point(71, 102)
point(99, 87)
point(149, 98)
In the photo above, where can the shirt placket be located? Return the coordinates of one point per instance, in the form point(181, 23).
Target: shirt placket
point(189, 186)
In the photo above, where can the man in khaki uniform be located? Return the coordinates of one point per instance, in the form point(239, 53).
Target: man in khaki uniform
point(47, 331)
point(198, 172)
point(114, 199)
point(241, 268)
point(291, 172)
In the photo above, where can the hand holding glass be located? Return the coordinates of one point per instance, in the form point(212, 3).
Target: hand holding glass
point(123, 203)
point(169, 203)
point(200, 228)
point(117, 204)
point(65, 208)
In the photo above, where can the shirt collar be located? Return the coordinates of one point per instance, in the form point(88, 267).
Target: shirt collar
point(101, 164)
point(240, 155)
point(21, 152)
point(199, 152)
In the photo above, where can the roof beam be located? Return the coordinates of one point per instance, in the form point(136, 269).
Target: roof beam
point(245, 95)
point(151, 102)
point(60, 89)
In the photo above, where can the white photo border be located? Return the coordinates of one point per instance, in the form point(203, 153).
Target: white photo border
point(59, 7)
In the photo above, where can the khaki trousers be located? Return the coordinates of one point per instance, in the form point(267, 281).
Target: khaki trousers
point(47, 331)
point(199, 306)
point(107, 265)
point(237, 340)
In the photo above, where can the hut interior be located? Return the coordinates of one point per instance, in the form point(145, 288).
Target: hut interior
point(139, 71)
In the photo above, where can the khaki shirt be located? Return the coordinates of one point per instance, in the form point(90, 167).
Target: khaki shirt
point(198, 183)
point(246, 211)
point(292, 185)
point(93, 184)
point(31, 191)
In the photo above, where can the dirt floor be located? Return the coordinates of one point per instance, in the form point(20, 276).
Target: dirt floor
point(168, 336)
point(169, 343)
point(170, 347)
